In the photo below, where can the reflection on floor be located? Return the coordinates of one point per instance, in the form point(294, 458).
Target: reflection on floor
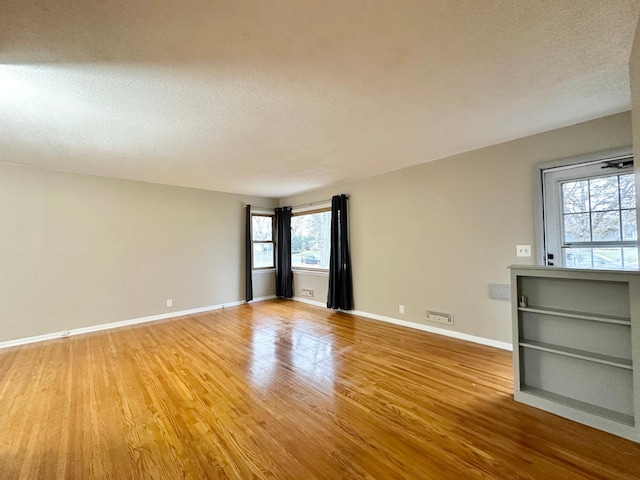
point(282, 390)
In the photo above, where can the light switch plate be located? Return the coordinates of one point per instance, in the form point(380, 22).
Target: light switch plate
point(523, 250)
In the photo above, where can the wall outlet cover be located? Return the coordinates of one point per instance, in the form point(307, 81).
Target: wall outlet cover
point(169, 303)
point(499, 291)
point(523, 250)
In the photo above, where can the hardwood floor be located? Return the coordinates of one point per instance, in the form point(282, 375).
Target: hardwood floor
point(282, 390)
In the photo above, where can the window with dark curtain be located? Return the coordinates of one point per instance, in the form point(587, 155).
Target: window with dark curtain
point(247, 253)
point(264, 240)
point(340, 295)
point(284, 275)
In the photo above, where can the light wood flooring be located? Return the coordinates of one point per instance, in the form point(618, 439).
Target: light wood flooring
point(282, 390)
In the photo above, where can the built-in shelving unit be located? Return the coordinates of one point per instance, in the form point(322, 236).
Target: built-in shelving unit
point(576, 337)
point(556, 312)
point(575, 353)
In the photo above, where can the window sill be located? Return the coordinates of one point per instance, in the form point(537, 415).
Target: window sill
point(304, 271)
point(263, 271)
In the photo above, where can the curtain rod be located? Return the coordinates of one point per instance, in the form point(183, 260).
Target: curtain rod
point(314, 203)
point(257, 207)
point(294, 206)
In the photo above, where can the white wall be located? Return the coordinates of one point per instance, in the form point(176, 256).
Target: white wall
point(435, 235)
point(80, 250)
point(264, 283)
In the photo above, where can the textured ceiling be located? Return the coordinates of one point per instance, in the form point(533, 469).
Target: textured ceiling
point(277, 97)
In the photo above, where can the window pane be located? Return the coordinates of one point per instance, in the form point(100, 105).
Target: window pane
point(604, 193)
point(578, 257)
point(605, 226)
point(627, 191)
point(575, 197)
point(262, 255)
point(576, 228)
point(601, 258)
point(311, 240)
point(630, 258)
point(629, 227)
point(262, 228)
point(607, 258)
point(595, 210)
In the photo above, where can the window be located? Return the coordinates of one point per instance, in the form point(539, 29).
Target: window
point(590, 215)
point(262, 239)
point(311, 239)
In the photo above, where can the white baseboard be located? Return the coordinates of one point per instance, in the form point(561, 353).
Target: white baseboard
point(418, 326)
point(164, 316)
point(439, 331)
point(260, 299)
point(310, 302)
point(123, 323)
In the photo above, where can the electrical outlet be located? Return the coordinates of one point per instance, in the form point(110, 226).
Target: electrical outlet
point(400, 308)
point(523, 250)
point(169, 302)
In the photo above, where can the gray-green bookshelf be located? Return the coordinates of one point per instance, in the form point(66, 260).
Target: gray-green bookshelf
point(576, 345)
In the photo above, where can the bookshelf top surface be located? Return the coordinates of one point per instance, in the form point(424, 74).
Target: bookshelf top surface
point(543, 268)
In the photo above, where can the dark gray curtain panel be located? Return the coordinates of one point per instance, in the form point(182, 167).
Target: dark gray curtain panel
point(340, 295)
point(284, 275)
point(247, 255)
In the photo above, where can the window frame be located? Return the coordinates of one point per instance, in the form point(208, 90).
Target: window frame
point(595, 243)
point(272, 241)
point(310, 210)
point(541, 196)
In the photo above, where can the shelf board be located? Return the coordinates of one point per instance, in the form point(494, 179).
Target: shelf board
point(581, 354)
point(584, 406)
point(592, 317)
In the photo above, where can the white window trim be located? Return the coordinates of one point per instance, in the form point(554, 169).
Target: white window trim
point(317, 273)
point(263, 213)
point(261, 271)
point(312, 207)
point(538, 170)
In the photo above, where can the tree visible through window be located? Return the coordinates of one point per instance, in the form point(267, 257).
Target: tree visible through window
point(599, 223)
point(311, 239)
point(590, 214)
point(262, 238)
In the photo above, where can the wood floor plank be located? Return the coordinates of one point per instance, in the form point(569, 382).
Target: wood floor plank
point(282, 390)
